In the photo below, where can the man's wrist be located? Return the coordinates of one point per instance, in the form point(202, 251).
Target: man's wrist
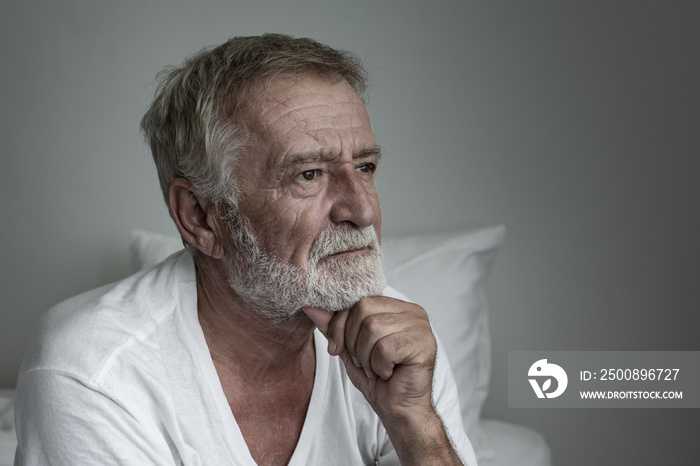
point(422, 439)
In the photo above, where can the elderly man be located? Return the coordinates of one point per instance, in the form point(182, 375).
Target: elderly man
point(272, 340)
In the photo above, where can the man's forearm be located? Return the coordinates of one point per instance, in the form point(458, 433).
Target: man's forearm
point(422, 441)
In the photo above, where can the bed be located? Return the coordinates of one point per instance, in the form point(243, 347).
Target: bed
point(445, 273)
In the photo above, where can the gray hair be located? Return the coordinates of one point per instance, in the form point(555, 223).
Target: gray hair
point(195, 125)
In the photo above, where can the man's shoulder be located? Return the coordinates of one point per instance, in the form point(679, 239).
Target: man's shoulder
point(84, 334)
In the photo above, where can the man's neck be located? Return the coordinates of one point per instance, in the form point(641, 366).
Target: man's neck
point(266, 370)
point(244, 342)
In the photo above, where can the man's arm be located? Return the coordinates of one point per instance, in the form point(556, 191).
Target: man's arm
point(389, 351)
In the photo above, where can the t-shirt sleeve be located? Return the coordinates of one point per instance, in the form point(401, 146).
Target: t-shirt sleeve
point(62, 420)
point(446, 402)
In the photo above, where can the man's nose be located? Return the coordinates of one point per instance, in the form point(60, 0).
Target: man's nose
point(354, 198)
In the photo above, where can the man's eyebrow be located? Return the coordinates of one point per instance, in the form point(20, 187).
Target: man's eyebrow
point(302, 159)
point(375, 151)
point(299, 160)
point(316, 157)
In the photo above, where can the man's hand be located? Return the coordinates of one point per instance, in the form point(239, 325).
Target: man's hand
point(389, 350)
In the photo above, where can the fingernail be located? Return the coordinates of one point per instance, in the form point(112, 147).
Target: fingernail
point(369, 374)
point(331, 346)
point(356, 361)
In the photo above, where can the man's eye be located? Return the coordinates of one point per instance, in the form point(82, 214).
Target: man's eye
point(367, 168)
point(308, 175)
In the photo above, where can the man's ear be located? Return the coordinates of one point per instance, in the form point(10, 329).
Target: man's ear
point(196, 218)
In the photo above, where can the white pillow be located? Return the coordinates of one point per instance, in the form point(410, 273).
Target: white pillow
point(445, 274)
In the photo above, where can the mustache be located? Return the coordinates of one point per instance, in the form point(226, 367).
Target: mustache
point(341, 238)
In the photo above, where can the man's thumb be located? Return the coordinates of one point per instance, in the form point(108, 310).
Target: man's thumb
point(320, 317)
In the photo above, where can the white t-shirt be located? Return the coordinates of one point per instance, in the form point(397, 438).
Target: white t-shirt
point(122, 375)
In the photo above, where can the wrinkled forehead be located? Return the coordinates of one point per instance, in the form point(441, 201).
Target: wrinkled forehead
point(296, 99)
point(307, 114)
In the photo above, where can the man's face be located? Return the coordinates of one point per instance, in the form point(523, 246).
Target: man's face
point(308, 197)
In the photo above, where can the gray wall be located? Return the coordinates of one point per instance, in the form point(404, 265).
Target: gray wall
point(576, 124)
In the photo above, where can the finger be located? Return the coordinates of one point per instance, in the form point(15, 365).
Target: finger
point(331, 325)
point(356, 374)
point(373, 329)
point(389, 352)
point(336, 333)
point(356, 317)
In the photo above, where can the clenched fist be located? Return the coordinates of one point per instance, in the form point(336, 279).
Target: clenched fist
point(388, 349)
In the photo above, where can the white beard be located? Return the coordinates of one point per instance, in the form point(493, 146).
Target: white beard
point(278, 290)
